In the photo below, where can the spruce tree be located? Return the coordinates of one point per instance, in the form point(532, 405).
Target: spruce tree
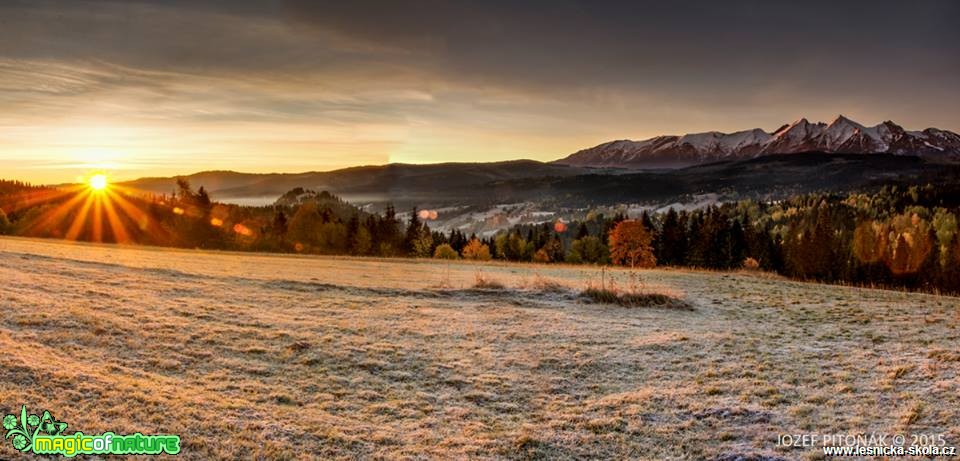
point(414, 229)
point(280, 224)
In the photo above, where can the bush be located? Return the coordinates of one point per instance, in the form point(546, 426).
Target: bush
point(541, 256)
point(445, 251)
point(751, 264)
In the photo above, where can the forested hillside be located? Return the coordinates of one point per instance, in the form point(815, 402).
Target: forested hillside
point(896, 237)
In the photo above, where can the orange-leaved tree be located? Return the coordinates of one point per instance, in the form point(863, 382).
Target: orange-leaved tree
point(630, 245)
point(476, 250)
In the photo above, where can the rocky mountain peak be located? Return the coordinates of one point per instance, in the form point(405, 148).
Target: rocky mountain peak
point(841, 135)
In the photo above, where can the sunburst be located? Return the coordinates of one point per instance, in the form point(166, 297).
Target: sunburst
point(98, 182)
point(95, 210)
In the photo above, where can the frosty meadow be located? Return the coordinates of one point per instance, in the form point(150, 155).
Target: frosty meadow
point(479, 230)
point(293, 357)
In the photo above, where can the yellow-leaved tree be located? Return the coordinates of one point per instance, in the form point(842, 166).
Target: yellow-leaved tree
point(476, 250)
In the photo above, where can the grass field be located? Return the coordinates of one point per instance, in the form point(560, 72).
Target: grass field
point(284, 357)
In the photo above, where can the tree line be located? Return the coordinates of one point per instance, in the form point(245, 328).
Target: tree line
point(893, 237)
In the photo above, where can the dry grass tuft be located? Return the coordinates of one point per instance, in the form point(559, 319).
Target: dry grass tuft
point(898, 372)
point(299, 346)
point(546, 285)
point(485, 282)
point(636, 296)
point(912, 414)
point(944, 355)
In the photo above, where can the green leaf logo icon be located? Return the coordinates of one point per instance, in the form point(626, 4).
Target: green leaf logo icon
point(21, 431)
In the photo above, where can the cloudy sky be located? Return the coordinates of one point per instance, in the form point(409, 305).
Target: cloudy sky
point(151, 88)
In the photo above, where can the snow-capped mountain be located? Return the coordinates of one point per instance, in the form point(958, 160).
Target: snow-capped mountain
point(842, 135)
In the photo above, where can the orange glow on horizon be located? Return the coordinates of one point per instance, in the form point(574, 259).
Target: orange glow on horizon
point(93, 211)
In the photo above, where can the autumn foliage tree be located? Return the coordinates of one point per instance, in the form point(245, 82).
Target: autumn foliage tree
point(445, 251)
point(4, 223)
point(631, 245)
point(476, 250)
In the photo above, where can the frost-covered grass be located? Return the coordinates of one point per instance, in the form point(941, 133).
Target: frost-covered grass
point(284, 357)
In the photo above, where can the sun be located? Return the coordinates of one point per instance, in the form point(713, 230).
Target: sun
point(98, 182)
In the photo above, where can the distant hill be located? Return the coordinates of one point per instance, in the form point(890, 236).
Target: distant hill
point(398, 183)
point(323, 200)
point(484, 185)
point(842, 135)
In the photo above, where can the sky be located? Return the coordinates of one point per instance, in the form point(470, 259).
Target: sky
point(158, 88)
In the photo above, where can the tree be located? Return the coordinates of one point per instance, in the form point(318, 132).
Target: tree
point(457, 240)
point(867, 247)
point(945, 224)
point(4, 223)
point(717, 240)
point(304, 225)
point(280, 224)
point(630, 244)
point(554, 249)
point(500, 245)
point(387, 239)
point(696, 249)
point(648, 224)
point(184, 192)
point(362, 242)
point(414, 230)
point(951, 272)
point(589, 250)
point(821, 245)
point(672, 245)
point(203, 198)
point(582, 231)
point(900, 262)
point(476, 251)
point(609, 225)
point(423, 243)
point(930, 271)
point(445, 251)
point(774, 260)
point(511, 246)
point(738, 244)
point(332, 237)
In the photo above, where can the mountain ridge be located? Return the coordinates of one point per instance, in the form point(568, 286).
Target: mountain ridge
point(842, 135)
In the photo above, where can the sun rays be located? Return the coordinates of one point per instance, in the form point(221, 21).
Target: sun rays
point(96, 211)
